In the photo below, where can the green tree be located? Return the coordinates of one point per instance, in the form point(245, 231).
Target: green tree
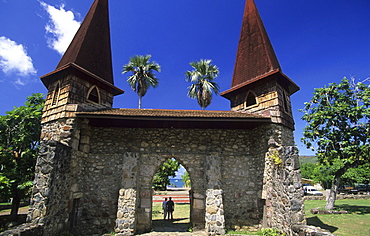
point(203, 84)
point(338, 128)
point(161, 178)
point(318, 173)
point(19, 139)
point(186, 179)
point(359, 175)
point(142, 74)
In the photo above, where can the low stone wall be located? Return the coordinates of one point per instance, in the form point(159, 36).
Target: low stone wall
point(308, 230)
point(339, 197)
point(27, 229)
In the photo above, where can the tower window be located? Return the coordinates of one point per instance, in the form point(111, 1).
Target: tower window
point(251, 99)
point(94, 95)
point(285, 102)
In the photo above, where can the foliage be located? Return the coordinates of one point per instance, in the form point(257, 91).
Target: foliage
point(324, 175)
point(307, 159)
point(359, 175)
point(203, 84)
point(142, 74)
point(338, 127)
point(274, 155)
point(19, 139)
point(161, 177)
point(186, 179)
point(270, 232)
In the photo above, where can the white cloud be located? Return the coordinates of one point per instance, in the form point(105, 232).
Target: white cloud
point(14, 59)
point(61, 28)
point(19, 82)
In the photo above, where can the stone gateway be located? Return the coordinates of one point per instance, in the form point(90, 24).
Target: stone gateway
point(96, 164)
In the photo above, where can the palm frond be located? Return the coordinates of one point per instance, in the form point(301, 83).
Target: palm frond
point(142, 73)
point(203, 82)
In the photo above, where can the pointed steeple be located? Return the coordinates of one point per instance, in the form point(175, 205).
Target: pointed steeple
point(256, 58)
point(258, 85)
point(90, 50)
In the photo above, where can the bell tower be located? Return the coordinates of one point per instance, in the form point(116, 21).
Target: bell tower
point(83, 79)
point(258, 84)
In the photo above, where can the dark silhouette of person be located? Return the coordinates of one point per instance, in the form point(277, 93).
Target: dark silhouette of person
point(170, 208)
point(164, 207)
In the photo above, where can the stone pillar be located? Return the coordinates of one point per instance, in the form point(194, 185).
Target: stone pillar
point(282, 189)
point(125, 223)
point(127, 199)
point(51, 191)
point(214, 217)
point(215, 221)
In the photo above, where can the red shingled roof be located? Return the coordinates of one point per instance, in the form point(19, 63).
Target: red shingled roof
point(255, 55)
point(170, 113)
point(256, 59)
point(164, 118)
point(90, 49)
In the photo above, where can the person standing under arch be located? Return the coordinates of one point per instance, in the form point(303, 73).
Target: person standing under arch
point(170, 208)
point(164, 207)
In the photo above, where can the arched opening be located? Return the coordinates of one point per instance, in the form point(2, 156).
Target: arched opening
point(251, 99)
point(177, 192)
point(93, 95)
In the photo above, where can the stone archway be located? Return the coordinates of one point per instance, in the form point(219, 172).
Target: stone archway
point(195, 166)
point(181, 198)
point(134, 214)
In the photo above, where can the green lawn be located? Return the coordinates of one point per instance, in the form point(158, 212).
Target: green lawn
point(181, 217)
point(356, 223)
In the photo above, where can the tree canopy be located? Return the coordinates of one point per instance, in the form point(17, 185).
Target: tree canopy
point(142, 77)
point(186, 179)
point(19, 139)
point(203, 82)
point(161, 178)
point(338, 127)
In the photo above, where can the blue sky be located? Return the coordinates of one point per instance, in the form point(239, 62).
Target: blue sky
point(316, 42)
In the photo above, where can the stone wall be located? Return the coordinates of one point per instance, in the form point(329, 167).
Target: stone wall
point(282, 189)
point(51, 200)
point(95, 180)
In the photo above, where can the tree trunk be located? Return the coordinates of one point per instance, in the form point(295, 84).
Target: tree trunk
point(140, 99)
point(15, 206)
point(330, 200)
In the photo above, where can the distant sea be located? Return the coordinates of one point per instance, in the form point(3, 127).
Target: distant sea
point(176, 183)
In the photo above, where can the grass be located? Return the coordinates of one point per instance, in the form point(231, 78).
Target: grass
point(356, 223)
point(181, 215)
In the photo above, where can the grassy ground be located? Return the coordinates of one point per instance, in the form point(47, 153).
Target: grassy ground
point(180, 223)
point(356, 223)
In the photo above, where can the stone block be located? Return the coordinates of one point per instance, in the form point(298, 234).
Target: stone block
point(198, 204)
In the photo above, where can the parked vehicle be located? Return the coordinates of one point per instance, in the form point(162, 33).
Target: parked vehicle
point(363, 188)
point(347, 189)
point(309, 190)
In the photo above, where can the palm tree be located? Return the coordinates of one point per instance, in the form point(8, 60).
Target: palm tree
point(142, 74)
point(203, 84)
